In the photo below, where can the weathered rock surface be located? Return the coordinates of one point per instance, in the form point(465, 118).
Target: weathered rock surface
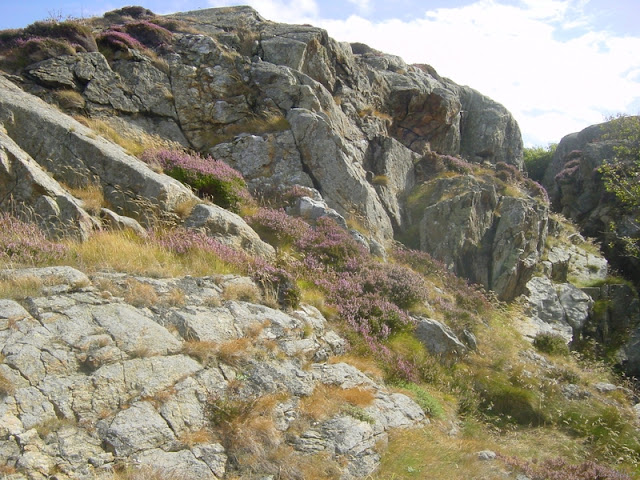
point(90, 381)
point(288, 105)
point(439, 339)
point(74, 155)
point(576, 189)
point(562, 308)
point(228, 228)
point(490, 238)
point(26, 190)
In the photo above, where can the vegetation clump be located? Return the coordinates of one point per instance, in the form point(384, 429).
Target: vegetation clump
point(210, 178)
point(551, 343)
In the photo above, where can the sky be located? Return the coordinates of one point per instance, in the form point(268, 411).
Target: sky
point(557, 65)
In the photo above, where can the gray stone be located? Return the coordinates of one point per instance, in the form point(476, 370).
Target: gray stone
point(311, 210)
point(576, 304)
point(24, 186)
point(486, 455)
point(114, 221)
point(489, 239)
point(76, 156)
point(180, 464)
point(228, 228)
point(135, 429)
point(438, 338)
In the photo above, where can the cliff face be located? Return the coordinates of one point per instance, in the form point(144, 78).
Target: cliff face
point(287, 105)
point(576, 189)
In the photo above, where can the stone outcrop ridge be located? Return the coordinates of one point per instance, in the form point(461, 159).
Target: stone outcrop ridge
point(287, 104)
point(577, 191)
point(92, 379)
point(43, 152)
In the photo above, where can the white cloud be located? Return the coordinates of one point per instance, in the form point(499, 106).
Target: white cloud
point(364, 6)
point(555, 78)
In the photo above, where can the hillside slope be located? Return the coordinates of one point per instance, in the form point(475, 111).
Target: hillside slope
point(232, 248)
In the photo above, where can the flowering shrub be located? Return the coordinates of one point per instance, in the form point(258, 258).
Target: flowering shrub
point(457, 164)
point(182, 241)
point(25, 243)
point(278, 227)
point(71, 31)
point(149, 34)
point(133, 12)
point(570, 168)
point(331, 245)
point(209, 177)
point(397, 283)
point(560, 469)
point(537, 190)
point(117, 40)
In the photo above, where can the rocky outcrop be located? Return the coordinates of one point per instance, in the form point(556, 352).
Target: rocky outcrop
point(480, 233)
point(576, 189)
point(228, 228)
point(313, 108)
point(29, 192)
point(79, 394)
point(75, 156)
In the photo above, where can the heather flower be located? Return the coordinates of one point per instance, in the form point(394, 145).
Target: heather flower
point(25, 243)
point(210, 178)
point(331, 244)
point(277, 224)
point(119, 40)
point(148, 33)
point(181, 241)
point(560, 469)
point(457, 164)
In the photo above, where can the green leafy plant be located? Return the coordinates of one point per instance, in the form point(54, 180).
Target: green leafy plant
point(551, 343)
point(537, 159)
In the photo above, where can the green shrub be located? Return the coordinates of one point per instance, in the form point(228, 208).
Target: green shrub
point(424, 399)
point(508, 403)
point(551, 343)
point(537, 159)
point(210, 178)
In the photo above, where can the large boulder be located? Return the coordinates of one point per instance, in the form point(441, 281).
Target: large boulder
point(28, 191)
point(488, 237)
point(74, 155)
point(576, 189)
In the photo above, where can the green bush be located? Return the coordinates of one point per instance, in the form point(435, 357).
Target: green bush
point(551, 343)
point(424, 399)
point(508, 403)
point(537, 159)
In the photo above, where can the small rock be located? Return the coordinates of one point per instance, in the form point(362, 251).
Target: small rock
point(486, 455)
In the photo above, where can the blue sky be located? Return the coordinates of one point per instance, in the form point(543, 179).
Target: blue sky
point(557, 65)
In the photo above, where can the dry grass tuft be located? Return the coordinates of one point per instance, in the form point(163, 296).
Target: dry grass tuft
point(202, 436)
point(183, 209)
point(234, 352)
point(327, 401)
point(134, 141)
point(69, 99)
point(245, 292)
point(140, 294)
point(202, 350)
point(92, 197)
point(174, 298)
point(21, 287)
